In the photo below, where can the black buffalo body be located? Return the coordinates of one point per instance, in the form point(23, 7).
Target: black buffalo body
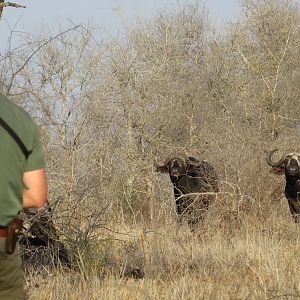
point(195, 183)
point(39, 241)
point(289, 164)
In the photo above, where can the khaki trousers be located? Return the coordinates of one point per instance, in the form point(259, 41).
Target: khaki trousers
point(11, 274)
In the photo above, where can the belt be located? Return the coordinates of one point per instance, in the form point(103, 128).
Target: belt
point(3, 231)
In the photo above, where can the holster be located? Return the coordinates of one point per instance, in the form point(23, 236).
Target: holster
point(14, 229)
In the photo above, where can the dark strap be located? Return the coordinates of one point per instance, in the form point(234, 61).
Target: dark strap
point(15, 137)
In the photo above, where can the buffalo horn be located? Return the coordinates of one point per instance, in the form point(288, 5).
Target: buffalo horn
point(275, 164)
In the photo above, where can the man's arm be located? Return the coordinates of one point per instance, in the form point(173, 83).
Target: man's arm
point(35, 188)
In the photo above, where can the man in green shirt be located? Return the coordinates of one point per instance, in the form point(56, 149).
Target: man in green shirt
point(22, 185)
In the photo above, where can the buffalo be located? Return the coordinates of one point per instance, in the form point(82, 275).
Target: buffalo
point(39, 241)
point(195, 182)
point(289, 164)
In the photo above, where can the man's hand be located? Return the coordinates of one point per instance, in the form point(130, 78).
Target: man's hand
point(35, 189)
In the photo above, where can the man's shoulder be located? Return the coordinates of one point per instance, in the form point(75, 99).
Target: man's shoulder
point(26, 130)
point(7, 104)
point(14, 112)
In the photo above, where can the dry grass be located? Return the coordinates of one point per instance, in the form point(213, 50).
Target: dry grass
point(255, 259)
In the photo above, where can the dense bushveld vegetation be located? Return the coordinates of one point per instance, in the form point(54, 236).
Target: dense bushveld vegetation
point(110, 110)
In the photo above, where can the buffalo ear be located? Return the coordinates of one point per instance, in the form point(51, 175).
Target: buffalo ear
point(162, 169)
point(277, 170)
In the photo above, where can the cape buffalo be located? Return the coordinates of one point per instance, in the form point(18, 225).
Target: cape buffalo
point(194, 183)
point(289, 164)
point(39, 241)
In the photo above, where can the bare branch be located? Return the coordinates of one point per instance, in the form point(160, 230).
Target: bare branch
point(35, 51)
point(12, 4)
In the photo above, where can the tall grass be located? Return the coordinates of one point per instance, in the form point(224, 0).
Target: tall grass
point(258, 259)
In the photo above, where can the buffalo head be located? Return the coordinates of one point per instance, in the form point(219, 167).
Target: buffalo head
point(175, 167)
point(289, 163)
